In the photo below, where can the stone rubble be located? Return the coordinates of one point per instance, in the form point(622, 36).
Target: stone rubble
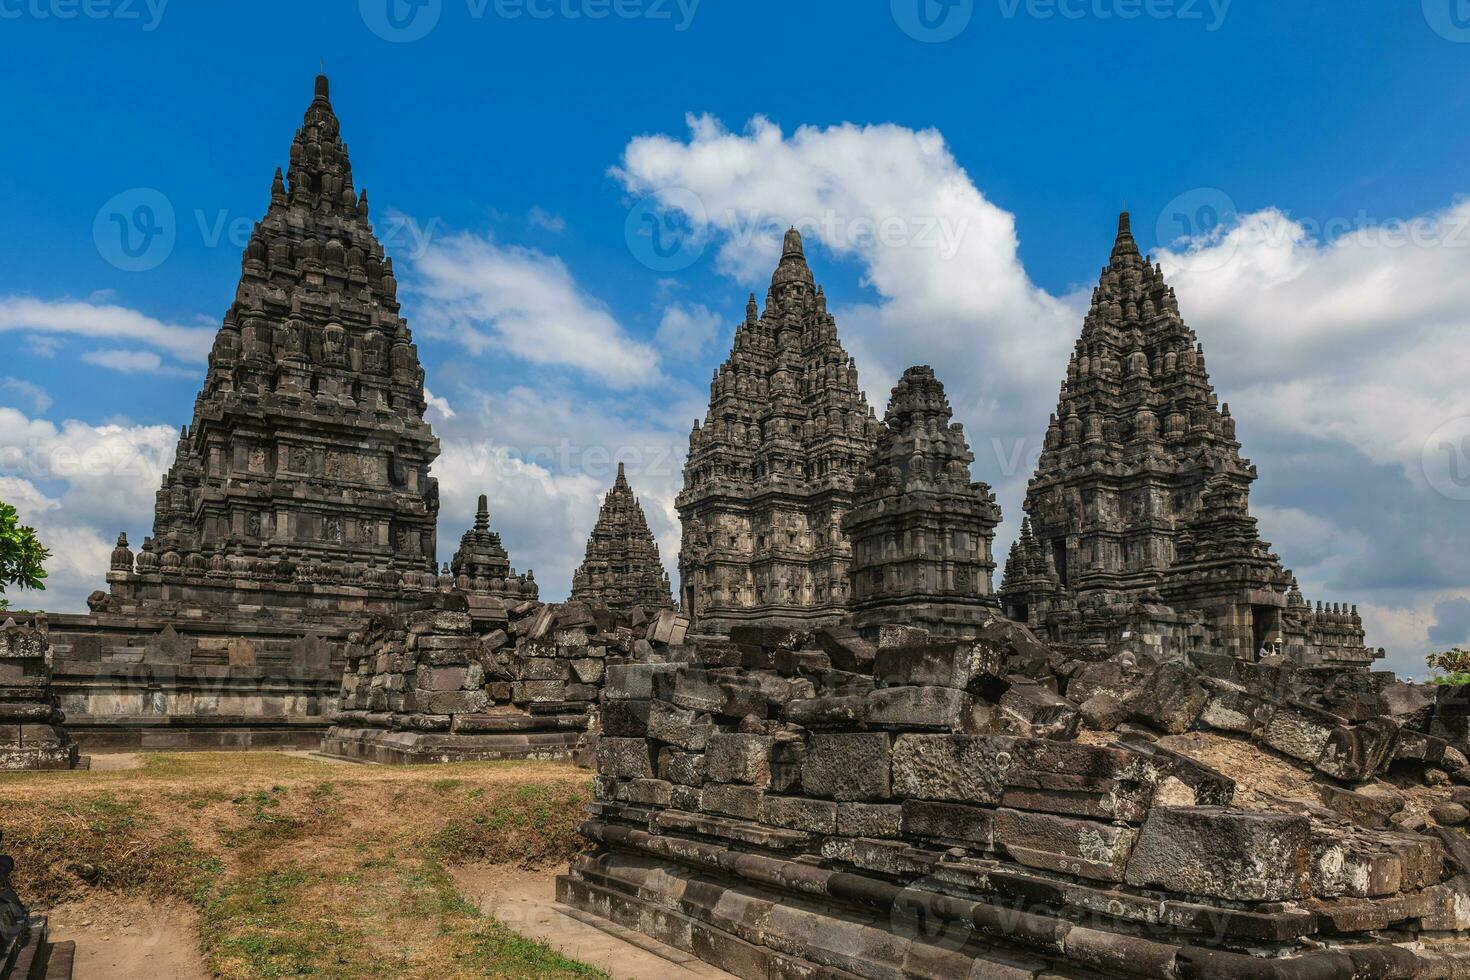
point(929, 806)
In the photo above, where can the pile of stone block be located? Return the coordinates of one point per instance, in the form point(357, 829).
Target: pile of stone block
point(785, 804)
point(26, 951)
point(31, 732)
point(470, 677)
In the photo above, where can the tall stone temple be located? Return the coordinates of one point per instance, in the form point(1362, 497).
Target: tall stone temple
point(300, 496)
point(922, 532)
point(772, 469)
point(622, 569)
point(1138, 528)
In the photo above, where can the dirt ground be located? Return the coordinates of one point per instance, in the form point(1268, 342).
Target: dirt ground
point(131, 939)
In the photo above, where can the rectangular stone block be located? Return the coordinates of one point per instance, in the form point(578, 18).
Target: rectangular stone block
point(588, 671)
point(968, 665)
point(949, 823)
point(634, 681)
point(537, 692)
point(543, 669)
point(624, 758)
point(1086, 848)
point(625, 719)
point(869, 819)
point(933, 708)
point(732, 801)
point(1073, 779)
point(848, 767)
point(1299, 731)
point(452, 702)
point(683, 768)
point(679, 726)
point(442, 678)
point(958, 768)
point(739, 759)
point(1218, 853)
point(799, 813)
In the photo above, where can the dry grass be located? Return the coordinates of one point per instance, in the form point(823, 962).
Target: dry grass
point(302, 868)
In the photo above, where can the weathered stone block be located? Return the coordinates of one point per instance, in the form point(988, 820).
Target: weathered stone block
point(739, 759)
point(734, 801)
point(949, 823)
point(799, 813)
point(964, 664)
point(679, 726)
point(933, 708)
point(1218, 853)
point(1086, 848)
point(624, 758)
point(1171, 700)
point(848, 767)
point(869, 819)
point(1300, 732)
point(683, 768)
point(961, 768)
point(1355, 753)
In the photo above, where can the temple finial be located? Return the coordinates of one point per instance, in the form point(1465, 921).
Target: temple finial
point(1125, 245)
point(482, 515)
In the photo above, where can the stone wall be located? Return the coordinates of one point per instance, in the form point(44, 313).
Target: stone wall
point(31, 736)
point(471, 678)
point(794, 805)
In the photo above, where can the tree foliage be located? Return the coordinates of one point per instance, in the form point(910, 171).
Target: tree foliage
point(1453, 666)
point(22, 558)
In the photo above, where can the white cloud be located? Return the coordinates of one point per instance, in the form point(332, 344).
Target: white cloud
point(686, 330)
point(135, 362)
point(39, 398)
point(107, 322)
point(439, 405)
point(78, 485)
point(489, 297)
point(542, 218)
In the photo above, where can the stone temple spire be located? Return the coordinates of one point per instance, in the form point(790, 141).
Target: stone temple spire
point(482, 565)
point(922, 531)
point(622, 569)
point(1141, 494)
point(308, 441)
point(770, 471)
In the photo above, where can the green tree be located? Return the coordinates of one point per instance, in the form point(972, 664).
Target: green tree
point(21, 556)
point(1453, 665)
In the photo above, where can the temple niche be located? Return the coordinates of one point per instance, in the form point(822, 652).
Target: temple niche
point(622, 569)
point(1138, 528)
point(772, 469)
point(922, 532)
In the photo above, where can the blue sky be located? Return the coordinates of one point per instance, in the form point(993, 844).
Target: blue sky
point(505, 149)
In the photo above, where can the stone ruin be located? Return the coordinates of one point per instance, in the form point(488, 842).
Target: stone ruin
point(622, 569)
point(1138, 528)
point(472, 678)
point(26, 951)
point(31, 732)
point(792, 804)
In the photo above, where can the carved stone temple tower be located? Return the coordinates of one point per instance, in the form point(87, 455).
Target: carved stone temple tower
point(299, 501)
point(482, 564)
point(622, 568)
point(1138, 529)
point(922, 532)
point(771, 471)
